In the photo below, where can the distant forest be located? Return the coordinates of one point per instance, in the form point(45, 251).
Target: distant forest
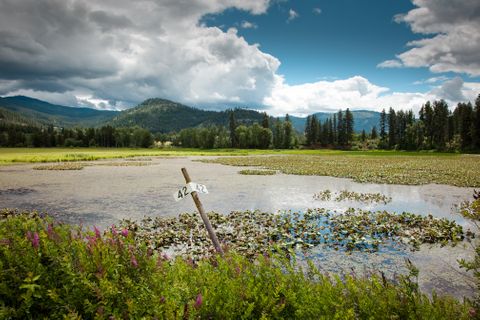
point(437, 128)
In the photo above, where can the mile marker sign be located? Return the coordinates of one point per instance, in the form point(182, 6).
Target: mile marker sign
point(188, 189)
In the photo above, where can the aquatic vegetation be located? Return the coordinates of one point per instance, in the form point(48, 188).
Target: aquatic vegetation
point(258, 172)
point(122, 164)
point(416, 169)
point(57, 271)
point(326, 195)
point(251, 233)
point(61, 166)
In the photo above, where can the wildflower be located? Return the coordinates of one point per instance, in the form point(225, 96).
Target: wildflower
point(114, 230)
point(98, 235)
point(198, 301)
point(125, 232)
point(133, 261)
point(35, 240)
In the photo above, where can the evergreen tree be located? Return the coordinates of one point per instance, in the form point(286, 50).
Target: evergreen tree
point(288, 133)
point(349, 122)
point(232, 126)
point(383, 129)
point(265, 121)
point(373, 134)
point(391, 128)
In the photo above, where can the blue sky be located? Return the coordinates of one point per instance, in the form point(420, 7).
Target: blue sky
point(281, 56)
point(331, 40)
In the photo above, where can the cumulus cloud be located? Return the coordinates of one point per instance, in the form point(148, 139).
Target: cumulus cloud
point(359, 93)
point(292, 15)
point(113, 54)
point(122, 52)
point(453, 36)
point(317, 11)
point(248, 25)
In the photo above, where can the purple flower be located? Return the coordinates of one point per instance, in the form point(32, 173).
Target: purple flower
point(35, 240)
point(114, 230)
point(198, 301)
point(133, 261)
point(98, 235)
point(125, 232)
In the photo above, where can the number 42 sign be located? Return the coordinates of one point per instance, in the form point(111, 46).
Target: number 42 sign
point(189, 188)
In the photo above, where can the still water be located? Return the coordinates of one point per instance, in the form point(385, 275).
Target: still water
point(102, 194)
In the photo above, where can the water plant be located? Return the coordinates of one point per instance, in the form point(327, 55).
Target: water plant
point(389, 168)
point(61, 166)
point(251, 233)
point(257, 172)
point(326, 195)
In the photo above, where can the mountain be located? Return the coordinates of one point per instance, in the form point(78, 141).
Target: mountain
point(60, 116)
point(8, 117)
point(156, 115)
point(363, 120)
point(160, 115)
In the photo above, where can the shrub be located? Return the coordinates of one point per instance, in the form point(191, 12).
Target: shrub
point(51, 270)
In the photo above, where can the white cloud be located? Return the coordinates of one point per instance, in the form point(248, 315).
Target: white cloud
point(248, 25)
point(390, 64)
point(359, 93)
point(292, 15)
point(123, 52)
point(453, 42)
point(317, 11)
point(116, 53)
point(432, 80)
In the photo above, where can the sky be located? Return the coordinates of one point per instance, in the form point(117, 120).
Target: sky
point(297, 57)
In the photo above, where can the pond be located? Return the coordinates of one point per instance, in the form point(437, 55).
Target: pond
point(104, 192)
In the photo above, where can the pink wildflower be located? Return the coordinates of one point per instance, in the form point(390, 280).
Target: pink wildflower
point(35, 240)
point(114, 230)
point(198, 301)
point(98, 235)
point(133, 261)
point(125, 232)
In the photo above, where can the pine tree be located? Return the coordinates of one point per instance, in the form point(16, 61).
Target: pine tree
point(349, 122)
point(383, 129)
point(265, 121)
point(373, 134)
point(391, 128)
point(232, 126)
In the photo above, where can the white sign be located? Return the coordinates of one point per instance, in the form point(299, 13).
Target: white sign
point(189, 188)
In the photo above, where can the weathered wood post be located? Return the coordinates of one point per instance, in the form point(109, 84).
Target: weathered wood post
point(204, 216)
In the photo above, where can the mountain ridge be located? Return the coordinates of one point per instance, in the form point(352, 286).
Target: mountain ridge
point(156, 115)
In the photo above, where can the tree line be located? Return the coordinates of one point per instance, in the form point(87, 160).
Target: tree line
point(19, 135)
point(436, 128)
point(336, 131)
point(276, 134)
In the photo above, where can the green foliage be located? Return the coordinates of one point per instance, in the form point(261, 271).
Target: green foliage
point(258, 172)
point(55, 271)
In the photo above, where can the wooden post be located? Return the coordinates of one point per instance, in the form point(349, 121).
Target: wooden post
point(204, 216)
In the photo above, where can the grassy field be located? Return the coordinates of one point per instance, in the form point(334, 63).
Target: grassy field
point(15, 155)
point(376, 167)
point(19, 155)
